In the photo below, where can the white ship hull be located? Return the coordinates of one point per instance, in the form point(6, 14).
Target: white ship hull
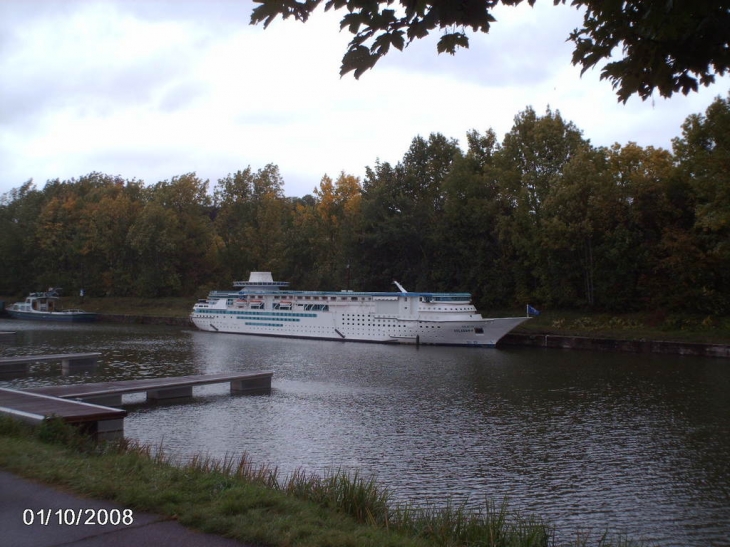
point(261, 308)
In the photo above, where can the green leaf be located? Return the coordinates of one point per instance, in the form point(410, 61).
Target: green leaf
point(449, 42)
point(397, 40)
point(358, 59)
point(353, 21)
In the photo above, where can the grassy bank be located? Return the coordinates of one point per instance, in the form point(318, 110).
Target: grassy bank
point(702, 329)
point(156, 307)
point(253, 504)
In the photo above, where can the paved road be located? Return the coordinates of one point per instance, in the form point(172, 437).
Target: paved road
point(30, 514)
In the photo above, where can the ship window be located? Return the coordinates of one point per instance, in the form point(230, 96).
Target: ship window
point(478, 330)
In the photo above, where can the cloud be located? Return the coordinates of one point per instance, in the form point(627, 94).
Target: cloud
point(93, 60)
point(523, 47)
point(153, 89)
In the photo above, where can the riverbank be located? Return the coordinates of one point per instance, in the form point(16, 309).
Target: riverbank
point(659, 333)
point(253, 505)
point(554, 341)
point(518, 338)
point(144, 319)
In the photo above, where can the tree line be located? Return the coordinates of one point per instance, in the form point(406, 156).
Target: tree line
point(541, 217)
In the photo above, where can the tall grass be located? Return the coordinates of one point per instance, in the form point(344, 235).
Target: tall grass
point(490, 525)
point(369, 503)
point(353, 495)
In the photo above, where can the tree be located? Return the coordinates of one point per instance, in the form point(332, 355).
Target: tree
point(667, 45)
point(62, 235)
point(19, 211)
point(703, 155)
point(322, 240)
point(233, 208)
point(109, 212)
point(468, 235)
point(602, 225)
point(572, 228)
point(173, 238)
point(531, 165)
point(401, 207)
point(156, 239)
point(385, 248)
point(250, 209)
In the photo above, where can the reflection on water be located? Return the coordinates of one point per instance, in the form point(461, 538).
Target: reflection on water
point(636, 445)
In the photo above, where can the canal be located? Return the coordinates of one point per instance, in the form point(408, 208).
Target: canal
point(592, 442)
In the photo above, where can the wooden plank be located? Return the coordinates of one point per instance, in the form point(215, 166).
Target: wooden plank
point(36, 407)
point(52, 357)
point(148, 384)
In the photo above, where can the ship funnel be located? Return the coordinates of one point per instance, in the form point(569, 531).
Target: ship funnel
point(260, 277)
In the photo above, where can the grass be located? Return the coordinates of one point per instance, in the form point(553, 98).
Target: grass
point(253, 504)
point(702, 329)
point(156, 307)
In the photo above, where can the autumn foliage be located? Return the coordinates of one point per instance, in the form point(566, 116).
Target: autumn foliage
point(541, 217)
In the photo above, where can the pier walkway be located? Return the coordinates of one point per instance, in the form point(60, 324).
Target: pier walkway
point(110, 393)
point(81, 404)
point(99, 421)
point(69, 361)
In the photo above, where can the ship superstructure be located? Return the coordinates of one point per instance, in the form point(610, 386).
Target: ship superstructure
point(266, 307)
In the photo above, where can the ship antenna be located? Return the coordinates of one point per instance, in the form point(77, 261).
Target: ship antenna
point(400, 287)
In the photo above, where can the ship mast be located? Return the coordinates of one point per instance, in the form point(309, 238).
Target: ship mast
point(400, 287)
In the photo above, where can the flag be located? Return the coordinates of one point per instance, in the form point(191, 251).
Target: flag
point(531, 311)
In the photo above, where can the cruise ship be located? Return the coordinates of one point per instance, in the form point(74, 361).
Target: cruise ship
point(266, 307)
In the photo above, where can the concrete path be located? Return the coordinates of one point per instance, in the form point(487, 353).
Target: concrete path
point(36, 515)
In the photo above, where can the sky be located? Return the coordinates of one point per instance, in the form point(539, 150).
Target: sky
point(152, 89)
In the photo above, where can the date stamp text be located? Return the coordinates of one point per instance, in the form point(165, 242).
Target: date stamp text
point(78, 517)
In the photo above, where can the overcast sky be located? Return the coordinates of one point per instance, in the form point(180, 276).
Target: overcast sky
point(153, 89)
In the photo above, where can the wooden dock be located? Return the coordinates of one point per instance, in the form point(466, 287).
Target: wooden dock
point(70, 362)
point(110, 393)
point(101, 422)
point(80, 404)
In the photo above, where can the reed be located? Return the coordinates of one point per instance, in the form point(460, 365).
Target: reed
point(353, 495)
point(487, 526)
point(490, 525)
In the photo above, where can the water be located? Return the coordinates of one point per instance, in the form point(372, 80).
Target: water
point(636, 445)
